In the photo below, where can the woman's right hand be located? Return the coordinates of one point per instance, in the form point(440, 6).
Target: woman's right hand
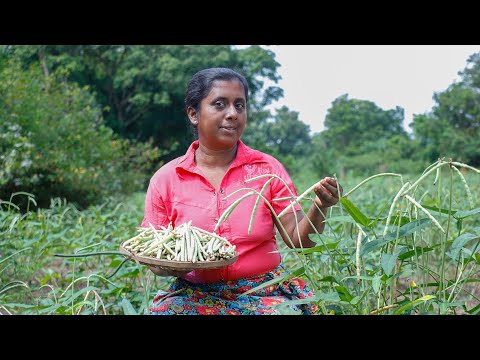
point(163, 272)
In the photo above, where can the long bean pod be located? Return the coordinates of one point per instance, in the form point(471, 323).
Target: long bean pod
point(183, 243)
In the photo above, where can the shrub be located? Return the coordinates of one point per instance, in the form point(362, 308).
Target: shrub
point(53, 142)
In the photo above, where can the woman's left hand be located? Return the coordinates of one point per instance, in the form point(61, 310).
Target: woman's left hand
point(327, 192)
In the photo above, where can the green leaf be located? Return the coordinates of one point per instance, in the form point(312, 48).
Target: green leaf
point(413, 304)
point(45, 279)
point(446, 305)
point(396, 219)
point(475, 310)
point(354, 212)
point(355, 300)
point(287, 276)
point(389, 260)
point(343, 293)
point(466, 213)
point(329, 297)
point(388, 263)
point(330, 278)
point(439, 210)
point(286, 309)
point(68, 300)
point(376, 283)
point(127, 307)
point(320, 248)
point(419, 251)
point(373, 245)
point(83, 303)
point(459, 225)
point(340, 218)
point(405, 230)
point(460, 242)
point(409, 228)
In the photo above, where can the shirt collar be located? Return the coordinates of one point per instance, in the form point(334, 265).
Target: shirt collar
point(245, 155)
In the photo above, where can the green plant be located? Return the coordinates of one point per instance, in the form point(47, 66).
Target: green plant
point(53, 142)
point(400, 258)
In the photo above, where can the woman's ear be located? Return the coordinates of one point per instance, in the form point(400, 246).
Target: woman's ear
point(192, 115)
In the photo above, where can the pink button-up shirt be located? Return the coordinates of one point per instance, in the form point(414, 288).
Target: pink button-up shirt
point(178, 192)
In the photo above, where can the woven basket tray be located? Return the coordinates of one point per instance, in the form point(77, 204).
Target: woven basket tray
point(178, 265)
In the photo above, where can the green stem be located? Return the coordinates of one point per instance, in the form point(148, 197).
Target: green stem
point(454, 286)
point(444, 246)
point(417, 260)
point(393, 280)
point(470, 271)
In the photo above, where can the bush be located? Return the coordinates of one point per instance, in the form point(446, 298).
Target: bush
point(53, 142)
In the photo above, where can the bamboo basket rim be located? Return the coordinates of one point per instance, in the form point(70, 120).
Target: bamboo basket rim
point(177, 265)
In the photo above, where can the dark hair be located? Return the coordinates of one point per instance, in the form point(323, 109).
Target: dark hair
point(201, 83)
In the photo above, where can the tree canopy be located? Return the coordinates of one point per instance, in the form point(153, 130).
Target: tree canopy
point(141, 87)
point(352, 123)
point(128, 100)
point(452, 128)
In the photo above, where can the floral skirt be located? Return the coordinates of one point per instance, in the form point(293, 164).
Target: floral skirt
point(224, 298)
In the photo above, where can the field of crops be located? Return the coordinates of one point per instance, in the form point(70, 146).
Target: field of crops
point(395, 244)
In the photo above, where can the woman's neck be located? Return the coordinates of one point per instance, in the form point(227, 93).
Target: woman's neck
point(215, 158)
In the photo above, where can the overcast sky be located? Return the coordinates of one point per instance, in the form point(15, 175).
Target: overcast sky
point(313, 76)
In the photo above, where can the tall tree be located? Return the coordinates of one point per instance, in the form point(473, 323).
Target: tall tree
point(452, 128)
point(351, 123)
point(356, 137)
point(287, 134)
point(141, 87)
point(282, 135)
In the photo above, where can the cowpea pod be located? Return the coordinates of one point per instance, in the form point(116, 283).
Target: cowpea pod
point(182, 243)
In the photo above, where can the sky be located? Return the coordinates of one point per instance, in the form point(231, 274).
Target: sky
point(313, 76)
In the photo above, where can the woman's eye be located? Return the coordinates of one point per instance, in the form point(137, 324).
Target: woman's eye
point(240, 106)
point(219, 104)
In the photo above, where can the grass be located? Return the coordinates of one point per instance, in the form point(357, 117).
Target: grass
point(393, 245)
point(399, 245)
point(34, 280)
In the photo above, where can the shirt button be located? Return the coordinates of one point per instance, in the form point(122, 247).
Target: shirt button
point(216, 220)
point(214, 193)
point(222, 191)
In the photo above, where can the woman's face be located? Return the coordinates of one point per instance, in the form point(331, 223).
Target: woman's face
point(222, 116)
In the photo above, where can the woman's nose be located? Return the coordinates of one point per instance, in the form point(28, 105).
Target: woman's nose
point(232, 112)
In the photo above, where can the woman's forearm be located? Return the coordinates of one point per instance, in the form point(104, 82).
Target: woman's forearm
point(304, 227)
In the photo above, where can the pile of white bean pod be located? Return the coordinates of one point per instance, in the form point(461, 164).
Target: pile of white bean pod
point(184, 243)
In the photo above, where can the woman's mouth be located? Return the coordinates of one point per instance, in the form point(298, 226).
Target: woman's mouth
point(229, 128)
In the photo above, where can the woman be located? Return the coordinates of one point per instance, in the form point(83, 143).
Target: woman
point(195, 187)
